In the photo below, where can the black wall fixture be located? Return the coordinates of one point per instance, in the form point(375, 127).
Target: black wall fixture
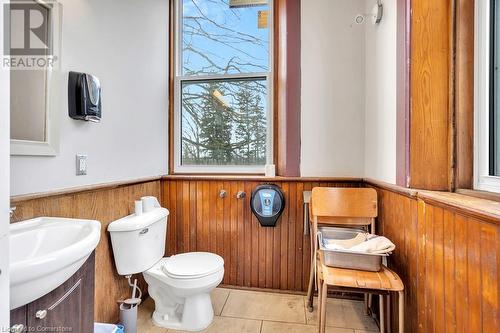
point(267, 203)
point(84, 97)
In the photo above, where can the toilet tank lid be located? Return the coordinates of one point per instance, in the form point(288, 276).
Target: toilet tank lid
point(137, 222)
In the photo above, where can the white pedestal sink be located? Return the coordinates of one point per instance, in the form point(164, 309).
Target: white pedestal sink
point(45, 252)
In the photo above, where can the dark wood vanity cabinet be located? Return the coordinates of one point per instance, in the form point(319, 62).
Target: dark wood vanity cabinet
point(69, 308)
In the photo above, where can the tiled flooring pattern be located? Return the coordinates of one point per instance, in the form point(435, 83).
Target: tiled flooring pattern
point(262, 312)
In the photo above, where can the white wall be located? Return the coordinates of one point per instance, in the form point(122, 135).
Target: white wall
point(348, 94)
point(348, 90)
point(125, 44)
point(333, 88)
point(380, 98)
point(4, 190)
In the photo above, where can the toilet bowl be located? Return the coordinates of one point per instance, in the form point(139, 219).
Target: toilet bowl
point(180, 286)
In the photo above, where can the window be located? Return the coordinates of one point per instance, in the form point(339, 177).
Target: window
point(487, 96)
point(222, 86)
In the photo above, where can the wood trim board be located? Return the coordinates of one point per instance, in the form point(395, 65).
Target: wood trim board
point(431, 95)
point(263, 178)
point(464, 94)
point(80, 189)
point(287, 87)
point(403, 92)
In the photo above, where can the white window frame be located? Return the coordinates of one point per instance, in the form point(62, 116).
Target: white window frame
point(482, 178)
point(179, 79)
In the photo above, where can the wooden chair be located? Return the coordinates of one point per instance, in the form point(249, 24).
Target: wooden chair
point(349, 207)
point(355, 207)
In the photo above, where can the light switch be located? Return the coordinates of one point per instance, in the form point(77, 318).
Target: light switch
point(81, 164)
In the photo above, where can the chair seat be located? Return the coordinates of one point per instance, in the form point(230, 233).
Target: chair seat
point(386, 279)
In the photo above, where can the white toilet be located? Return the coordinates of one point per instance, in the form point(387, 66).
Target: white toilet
point(180, 285)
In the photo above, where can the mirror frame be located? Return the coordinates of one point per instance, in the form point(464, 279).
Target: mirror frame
point(49, 147)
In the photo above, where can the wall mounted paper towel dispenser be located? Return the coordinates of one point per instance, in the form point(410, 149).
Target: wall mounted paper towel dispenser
point(84, 97)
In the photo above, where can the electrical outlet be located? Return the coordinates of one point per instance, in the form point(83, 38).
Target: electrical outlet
point(81, 164)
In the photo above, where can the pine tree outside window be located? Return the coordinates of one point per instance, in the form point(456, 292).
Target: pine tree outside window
point(222, 85)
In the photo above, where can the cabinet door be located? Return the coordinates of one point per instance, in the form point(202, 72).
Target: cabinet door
point(58, 311)
point(69, 308)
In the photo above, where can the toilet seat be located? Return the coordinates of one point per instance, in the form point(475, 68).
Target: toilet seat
point(192, 265)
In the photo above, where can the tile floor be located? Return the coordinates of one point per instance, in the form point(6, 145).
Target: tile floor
point(262, 312)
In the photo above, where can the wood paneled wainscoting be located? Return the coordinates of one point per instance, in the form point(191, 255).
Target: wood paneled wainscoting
point(104, 203)
point(448, 254)
point(254, 256)
point(448, 245)
point(200, 220)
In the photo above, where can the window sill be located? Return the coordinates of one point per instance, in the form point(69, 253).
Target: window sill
point(487, 195)
point(261, 177)
point(475, 206)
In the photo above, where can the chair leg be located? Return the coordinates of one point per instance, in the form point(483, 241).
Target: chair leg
point(320, 294)
point(312, 282)
point(368, 297)
point(388, 311)
point(324, 295)
point(382, 313)
point(310, 289)
point(401, 306)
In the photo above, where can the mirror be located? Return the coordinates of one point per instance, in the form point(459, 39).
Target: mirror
point(28, 116)
point(33, 42)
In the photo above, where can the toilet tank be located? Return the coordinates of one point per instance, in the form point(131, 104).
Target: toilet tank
point(138, 241)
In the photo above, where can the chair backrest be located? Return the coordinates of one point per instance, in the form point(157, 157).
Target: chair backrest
point(343, 206)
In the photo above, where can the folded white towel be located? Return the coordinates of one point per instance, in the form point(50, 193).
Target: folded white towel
point(375, 244)
point(343, 244)
point(363, 243)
